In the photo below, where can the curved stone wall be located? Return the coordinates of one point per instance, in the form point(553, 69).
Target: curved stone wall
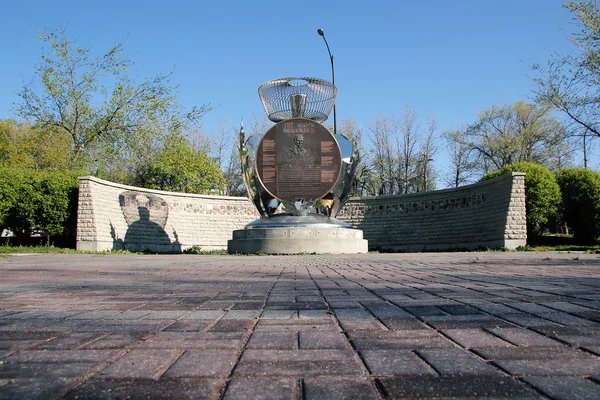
point(112, 216)
point(486, 214)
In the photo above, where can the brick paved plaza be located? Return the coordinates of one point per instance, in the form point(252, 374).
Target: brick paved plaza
point(493, 325)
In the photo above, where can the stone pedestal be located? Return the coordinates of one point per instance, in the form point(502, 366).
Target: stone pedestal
point(297, 239)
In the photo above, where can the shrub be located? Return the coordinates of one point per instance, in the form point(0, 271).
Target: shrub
point(581, 202)
point(542, 194)
point(40, 202)
point(10, 180)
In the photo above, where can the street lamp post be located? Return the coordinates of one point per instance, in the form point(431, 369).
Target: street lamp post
point(321, 33)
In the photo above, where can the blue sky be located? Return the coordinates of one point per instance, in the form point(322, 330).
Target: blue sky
point(448, 59)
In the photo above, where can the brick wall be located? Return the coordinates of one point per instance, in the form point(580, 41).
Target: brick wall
point(487, 214)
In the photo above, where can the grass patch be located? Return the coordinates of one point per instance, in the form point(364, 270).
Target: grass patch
point(590, 249)
point(36, 250)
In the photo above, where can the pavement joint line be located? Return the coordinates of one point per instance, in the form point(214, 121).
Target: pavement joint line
point(81, 380)
point(589, 351)
point(593, 379)
point(92, 340)
point(29, 346)
point(158, 373)
point(424, 361)
point(375, 317)
point(532, 387)
point(356, 354)
point(298, 389)
point(490, 332)
point(223, 389)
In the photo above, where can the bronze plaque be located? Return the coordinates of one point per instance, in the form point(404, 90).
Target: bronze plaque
point(298, 159)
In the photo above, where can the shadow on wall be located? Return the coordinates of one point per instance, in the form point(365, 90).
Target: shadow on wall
point(146, 217)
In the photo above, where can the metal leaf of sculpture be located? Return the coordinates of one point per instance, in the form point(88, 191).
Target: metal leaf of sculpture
point(285, 98)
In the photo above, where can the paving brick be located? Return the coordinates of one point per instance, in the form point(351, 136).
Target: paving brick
point(314, 314)
point(232, 325)
point(273, 340)
point(565, 388)
point(205, 314)
point(296, 369)
point(188, 325)
point(61, 356)
point(257, 388)
point(573, 367)
point(402, 323)
point(401, 344)
point(453, 361)
point(298, 355)
point(184, 388)
point(202, 363)
point(524, 338)
point(425, 311)
point(70, 341)
point(395, 334)
point(168, 343)
point(295, 325)
point(56, 371)
point(338, 389)
point(130, 315)
point(31, 389)
point(395, 362)
point(322, 340)
point(475, 338)
point(531, 353)
point(172, 314)
point(450, 387)
point(140, 364)
point(111, 341)
point(241, 315)
point(529, 321)
point(466, 322)
point(277, 314)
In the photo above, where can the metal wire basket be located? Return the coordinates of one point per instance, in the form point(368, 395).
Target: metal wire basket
point(285, 98)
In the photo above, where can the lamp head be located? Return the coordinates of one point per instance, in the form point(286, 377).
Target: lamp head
point(320, 32)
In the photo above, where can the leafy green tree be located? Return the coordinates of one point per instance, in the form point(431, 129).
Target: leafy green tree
point(180, 167)
point(571, 82)
point(43, 202)
point(25, 147)
point(516, 133)
point(542, 194)
point(580, 190)
point(96, 105)
point(10, 182)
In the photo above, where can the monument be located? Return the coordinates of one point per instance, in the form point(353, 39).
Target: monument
point(297, 174)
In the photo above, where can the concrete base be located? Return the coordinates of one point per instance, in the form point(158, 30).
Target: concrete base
point(297, 239)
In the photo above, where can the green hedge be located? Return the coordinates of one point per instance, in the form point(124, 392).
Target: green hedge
point(39, 203)
point(542, 194)
point(581, 202)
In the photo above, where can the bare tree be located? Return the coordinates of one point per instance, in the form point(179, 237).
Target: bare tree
point(408, 158)
point(427, 176)
point(464, 166)
point(382, 156)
